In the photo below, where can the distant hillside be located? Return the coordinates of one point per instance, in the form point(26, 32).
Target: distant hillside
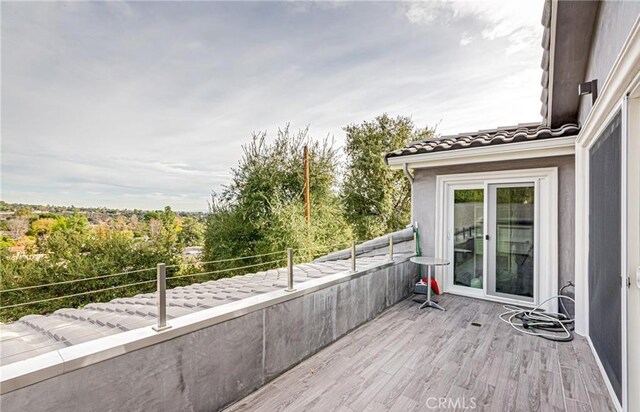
point(93, 214)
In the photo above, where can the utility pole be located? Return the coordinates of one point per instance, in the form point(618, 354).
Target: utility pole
point(307, 199)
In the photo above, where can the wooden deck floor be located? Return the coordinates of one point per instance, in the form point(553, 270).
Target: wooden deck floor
point(410, 359)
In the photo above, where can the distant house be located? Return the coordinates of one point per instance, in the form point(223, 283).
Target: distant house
point(6, 215)
point(520, 211)
point(192, 251)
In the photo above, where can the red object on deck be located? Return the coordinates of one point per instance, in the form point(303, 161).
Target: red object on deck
point(434, 285)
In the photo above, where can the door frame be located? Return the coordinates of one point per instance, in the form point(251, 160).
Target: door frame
point(546, 231)
point(631, 245)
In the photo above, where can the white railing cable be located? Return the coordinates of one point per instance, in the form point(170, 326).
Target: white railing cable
point(289, 259)
point(227, 260)
point(77, 294)
point(65, 282)
point(323, 247)
point(226, 270)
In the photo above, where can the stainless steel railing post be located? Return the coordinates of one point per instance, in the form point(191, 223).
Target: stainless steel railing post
point(391, 248)
point(162, 298)
point(289, 270)
point(353, 256)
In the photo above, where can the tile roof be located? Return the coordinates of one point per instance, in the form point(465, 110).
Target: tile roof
point(501, 135)
point(33, 335)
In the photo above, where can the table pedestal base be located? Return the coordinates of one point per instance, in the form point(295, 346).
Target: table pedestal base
point(428, 303)
point(428, 262)
point(431, 304)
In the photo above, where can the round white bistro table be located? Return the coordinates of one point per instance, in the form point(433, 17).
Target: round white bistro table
point(429, 262)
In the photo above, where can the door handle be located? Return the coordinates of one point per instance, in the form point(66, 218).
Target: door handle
point(638, 277)
point(486, 237)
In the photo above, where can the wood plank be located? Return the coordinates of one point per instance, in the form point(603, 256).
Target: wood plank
point(505, 395)
point(551, 392)
point(376, 407)
point(360, 400)
point(573, 385)
point(575, 406)
point(601, 403)
point(549, 360)
point(528, 397)
point(483, 395)
point(403, 404)
point(567, 355)
point(390, 393)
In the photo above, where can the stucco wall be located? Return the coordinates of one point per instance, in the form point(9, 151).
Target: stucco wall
point(425, 203)
point(614, 22)
point(215, 366)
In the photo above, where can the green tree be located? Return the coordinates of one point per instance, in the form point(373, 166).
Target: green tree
point(77, 254)
point(6, 242)
point(76, 223)
point(261, 211)
point(43, 227)
point(163, 230)
point(377, 200)
point(23, 212)
point(191, 232)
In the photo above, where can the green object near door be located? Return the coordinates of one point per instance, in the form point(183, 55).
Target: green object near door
point(476, 283)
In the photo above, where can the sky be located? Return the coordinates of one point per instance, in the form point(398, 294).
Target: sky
point(147, 104)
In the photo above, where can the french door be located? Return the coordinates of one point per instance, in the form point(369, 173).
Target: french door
point(493, 228)
point(510, 241)
point(494, 224)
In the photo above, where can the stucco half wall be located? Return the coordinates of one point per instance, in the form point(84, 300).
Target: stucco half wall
point(424, 207)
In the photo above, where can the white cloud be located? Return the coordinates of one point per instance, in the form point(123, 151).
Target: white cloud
point(429, 11)
point(466, 39)
point(126, 105)
point(517, 21)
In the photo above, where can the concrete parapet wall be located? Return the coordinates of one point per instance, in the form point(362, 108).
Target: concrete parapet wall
point(214, 366)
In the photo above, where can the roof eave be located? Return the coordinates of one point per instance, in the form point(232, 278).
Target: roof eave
point(571, 27)
point(558, 146)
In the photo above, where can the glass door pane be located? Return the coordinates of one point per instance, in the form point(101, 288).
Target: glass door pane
point(468, 221)
point(511, 256)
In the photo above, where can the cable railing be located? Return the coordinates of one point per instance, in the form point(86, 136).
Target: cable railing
point(64, 282)
point(214, 272)
point(228, 260)
point(77, 294)
point(323, 247)
point(162, 278)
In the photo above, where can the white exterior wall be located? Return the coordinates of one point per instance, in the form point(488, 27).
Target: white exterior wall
point(614, 22)
point(425, 203)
